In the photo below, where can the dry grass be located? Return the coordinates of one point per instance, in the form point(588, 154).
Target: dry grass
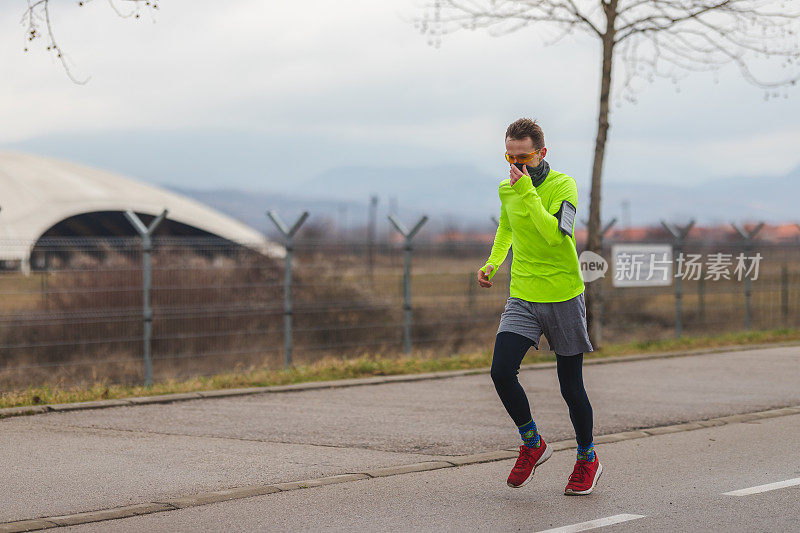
point(221, 315)
point(331, 368)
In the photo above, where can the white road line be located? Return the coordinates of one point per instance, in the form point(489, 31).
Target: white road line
point(764, 488)
point(593, 524)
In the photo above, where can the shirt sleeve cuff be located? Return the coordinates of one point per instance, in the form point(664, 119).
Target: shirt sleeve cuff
point(523, 185)
point(494, 270)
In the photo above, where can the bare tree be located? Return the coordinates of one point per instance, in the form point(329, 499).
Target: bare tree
point(37, 18)
point(662, 38)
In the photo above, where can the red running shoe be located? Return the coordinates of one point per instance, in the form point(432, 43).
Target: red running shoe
point(529, 458)
point(584, 477)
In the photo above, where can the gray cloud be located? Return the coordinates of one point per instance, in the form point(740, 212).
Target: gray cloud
point(241, 92)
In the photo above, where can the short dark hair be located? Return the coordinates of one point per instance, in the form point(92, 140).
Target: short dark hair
point(525, 127)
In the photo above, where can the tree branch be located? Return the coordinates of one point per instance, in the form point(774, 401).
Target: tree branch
point(470, 15)
point(38, 13)
point(671, 21)
point(693, 35)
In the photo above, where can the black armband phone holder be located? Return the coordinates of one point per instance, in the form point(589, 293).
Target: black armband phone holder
point(566, 217)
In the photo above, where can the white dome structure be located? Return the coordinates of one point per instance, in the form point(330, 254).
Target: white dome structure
point(37, 193)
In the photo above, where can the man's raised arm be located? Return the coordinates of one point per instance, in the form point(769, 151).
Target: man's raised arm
point(552, 227)
point(502, 242)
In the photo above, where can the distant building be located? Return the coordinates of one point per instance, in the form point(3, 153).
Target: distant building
point(43, 198)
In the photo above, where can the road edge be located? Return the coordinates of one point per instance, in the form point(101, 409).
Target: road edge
point(354, 382)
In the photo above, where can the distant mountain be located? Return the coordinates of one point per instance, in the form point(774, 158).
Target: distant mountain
point(455, 189)
point(451, 197)
point(455, 195)
point(743, 199)
point(338, 215)
point(466, 198)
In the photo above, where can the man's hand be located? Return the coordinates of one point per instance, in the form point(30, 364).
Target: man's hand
point(483, 279)
point(517, 173)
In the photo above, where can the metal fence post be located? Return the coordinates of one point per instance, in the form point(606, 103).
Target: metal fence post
point(785, 295)
point(679, 234)
point(287, 281)
point(145, 232)
point(471, 290)
point(373, 213)
point(600, 293)
point(748, 246)
point(701, 300)
point(408, 235)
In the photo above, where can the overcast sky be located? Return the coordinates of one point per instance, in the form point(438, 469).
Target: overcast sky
point(254, 95)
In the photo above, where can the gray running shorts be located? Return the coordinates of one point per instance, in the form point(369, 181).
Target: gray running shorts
point(563, 323)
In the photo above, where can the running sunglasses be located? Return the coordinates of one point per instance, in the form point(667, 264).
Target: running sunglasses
point(521, 158)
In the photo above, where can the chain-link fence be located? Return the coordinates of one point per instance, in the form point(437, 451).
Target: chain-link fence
point(78, 317)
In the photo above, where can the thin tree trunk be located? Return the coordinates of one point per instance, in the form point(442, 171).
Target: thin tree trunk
point(595, 238)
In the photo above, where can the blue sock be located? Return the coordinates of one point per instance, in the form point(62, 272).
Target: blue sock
point(529, 434)
point(586, 453)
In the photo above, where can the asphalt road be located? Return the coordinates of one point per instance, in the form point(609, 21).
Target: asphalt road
point(60, 463)
point(674, 482)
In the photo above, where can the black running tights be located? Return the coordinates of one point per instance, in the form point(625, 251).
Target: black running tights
point(509, 349)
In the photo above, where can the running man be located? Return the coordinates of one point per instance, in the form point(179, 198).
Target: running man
point(537, 216)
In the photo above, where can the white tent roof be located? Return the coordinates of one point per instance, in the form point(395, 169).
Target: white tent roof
point(38, 192)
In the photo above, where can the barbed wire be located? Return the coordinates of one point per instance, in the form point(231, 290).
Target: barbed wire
point(217, 307)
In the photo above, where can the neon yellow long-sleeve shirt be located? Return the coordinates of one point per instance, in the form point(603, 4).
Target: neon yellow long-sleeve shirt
point(545, 265)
